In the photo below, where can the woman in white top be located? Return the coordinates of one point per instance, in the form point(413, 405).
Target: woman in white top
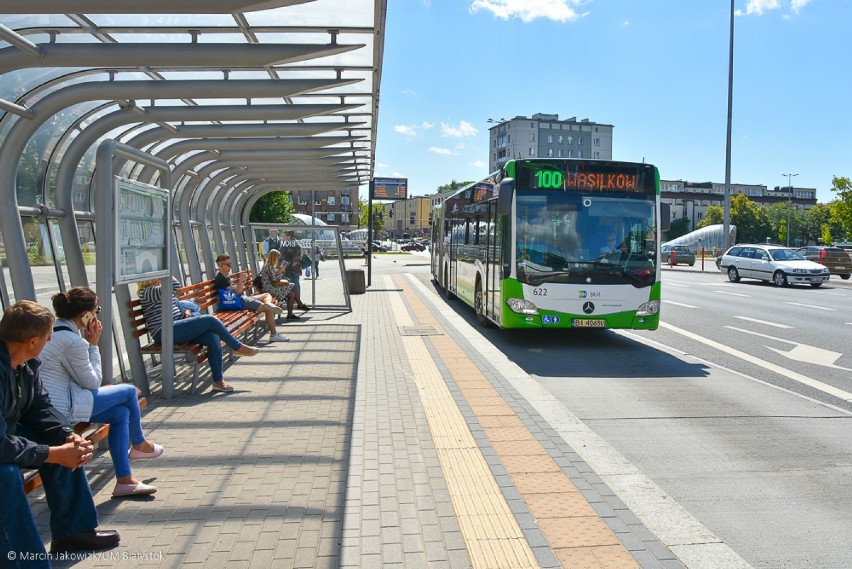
point(71, 373)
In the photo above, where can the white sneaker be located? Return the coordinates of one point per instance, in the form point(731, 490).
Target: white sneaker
point(277, 310)
point(279, 337)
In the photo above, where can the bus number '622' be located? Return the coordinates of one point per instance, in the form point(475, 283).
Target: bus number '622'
point(539, 291)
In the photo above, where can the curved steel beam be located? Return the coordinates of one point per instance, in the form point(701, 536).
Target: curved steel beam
point(22, 130)
point(169, 56)
point(148, 7)
point(75, 151)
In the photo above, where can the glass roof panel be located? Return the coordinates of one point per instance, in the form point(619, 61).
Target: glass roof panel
point(354, 23)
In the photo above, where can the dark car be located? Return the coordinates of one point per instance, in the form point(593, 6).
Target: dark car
point(836, 259)
point(413, 247)
point(682, 254)
point(379, 247)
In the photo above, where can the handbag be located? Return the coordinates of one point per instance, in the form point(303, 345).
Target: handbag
point(228, 300)
point(257, 282)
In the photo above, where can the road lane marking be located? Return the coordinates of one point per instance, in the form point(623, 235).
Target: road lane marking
point(676, 284)
point(764, 322)
point(801, 352)
point(679, 304)
point(731, 293)
point(811, 306)
point(789, 374)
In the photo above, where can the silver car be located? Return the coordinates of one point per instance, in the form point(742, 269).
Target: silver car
point(771, 263)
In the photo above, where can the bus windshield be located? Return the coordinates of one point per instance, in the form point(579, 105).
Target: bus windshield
point(574, 236)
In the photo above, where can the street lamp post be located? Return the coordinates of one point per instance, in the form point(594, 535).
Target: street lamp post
point(789, 202)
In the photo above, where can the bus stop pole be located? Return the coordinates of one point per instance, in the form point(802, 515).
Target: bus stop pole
point(370, 236)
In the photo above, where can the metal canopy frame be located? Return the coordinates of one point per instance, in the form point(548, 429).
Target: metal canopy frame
point(238, 97)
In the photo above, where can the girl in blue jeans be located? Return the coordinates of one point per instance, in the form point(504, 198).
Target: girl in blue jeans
point(71, 372)
point(205, 329)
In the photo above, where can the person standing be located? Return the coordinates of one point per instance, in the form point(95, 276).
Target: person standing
point(32, 435)
point(272, 242)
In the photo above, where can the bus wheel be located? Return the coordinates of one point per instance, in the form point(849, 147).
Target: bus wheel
point(479, 305)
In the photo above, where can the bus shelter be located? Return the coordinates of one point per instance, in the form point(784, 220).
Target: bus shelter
point(226, 100)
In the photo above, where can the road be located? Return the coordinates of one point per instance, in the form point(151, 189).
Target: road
point(735, 408)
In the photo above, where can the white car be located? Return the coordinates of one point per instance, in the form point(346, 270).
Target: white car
point(771, 263)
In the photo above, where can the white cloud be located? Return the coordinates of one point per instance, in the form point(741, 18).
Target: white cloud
point(529, 10)
point(460, 146)
point(463, 129)
point(760, 6)
point(428, 125)
point(406, 129)
point(442, 151)
point(408, 92)
point(479, 164)
point(797, 5)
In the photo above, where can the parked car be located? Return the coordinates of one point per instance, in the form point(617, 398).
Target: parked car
point(835, 258)
point(413, 247)
point(771, 263)
point(682, 254)
point(379, 247)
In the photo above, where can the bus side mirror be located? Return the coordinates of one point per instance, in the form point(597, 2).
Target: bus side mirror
point(504, 197)
point(665, 216)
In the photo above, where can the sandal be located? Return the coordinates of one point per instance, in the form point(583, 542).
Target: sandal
point(223, 387)
point(304, 307)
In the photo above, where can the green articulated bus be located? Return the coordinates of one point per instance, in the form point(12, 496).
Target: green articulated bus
point(555, 243)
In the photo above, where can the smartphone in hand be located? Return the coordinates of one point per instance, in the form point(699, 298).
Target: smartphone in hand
point(87, 317)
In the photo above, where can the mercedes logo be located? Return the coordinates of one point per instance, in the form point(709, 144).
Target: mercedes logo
point(588, 307)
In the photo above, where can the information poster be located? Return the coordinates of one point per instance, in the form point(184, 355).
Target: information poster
point(143, 216)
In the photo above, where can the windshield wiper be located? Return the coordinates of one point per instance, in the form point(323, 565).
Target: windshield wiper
point(537, 280)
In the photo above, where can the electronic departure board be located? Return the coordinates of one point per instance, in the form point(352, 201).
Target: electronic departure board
point(389, 188)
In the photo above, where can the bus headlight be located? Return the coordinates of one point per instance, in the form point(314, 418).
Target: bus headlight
point(521, 306)
point(649, 308)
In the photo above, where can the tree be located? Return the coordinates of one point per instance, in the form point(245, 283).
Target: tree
point(713, 216)
point(453, 186)
point(381, 213)
point(841, 209)
point(274, 207)
point(677, 228)
point(751, 220)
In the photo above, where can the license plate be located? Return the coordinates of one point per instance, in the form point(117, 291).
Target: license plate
point(840, 268)
point(582, 323)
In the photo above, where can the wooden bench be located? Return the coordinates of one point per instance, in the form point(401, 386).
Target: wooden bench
point(93, 432)
point(206, 296)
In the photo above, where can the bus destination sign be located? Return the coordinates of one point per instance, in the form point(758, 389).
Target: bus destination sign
point(389, 188)
point(586, 178)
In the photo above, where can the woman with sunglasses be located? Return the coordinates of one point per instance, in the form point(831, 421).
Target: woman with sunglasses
point(71, 373)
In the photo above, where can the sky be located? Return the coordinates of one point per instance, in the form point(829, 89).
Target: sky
point(655, 69)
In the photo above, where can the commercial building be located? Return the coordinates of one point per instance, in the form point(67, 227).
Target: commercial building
point(691, 199)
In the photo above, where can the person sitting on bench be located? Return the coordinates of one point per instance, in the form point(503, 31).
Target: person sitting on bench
point(260, 303)
point(71, 373)
point(206, 330)
point(33, 436)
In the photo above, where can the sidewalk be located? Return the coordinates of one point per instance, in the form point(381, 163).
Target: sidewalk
point(386, 437)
